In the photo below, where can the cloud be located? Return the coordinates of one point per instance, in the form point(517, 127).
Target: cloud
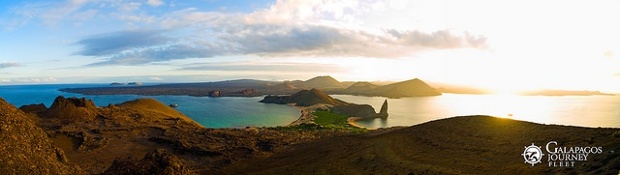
point(257, 67)
point(287, 28)
point(117, 42)
point(155, 3)
point(8, 65)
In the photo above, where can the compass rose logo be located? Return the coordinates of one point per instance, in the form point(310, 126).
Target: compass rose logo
point(532, 154)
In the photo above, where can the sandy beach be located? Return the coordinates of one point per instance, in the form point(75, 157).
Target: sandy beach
point(352, 122)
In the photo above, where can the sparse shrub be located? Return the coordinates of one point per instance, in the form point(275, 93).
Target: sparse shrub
point(616, 134)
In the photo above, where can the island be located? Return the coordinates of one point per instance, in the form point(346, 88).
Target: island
point(549, 92)
point(253, 88)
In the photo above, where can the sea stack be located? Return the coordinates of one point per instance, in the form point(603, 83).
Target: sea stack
point(384, 108)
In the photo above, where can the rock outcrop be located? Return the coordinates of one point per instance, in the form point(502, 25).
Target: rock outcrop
point(71, 109)
point(34, 108)
point(156, 162)
point(214, 93)
point(26, 148)
point(383, 113)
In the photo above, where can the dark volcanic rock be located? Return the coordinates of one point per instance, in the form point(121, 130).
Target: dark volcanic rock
point(26, 149)
point(248, 92)
point(34, 108)
point(72, 109)
point(156, 162)
point(214, 93)
point(383, 113)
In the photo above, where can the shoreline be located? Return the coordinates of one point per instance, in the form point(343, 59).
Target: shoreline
point(351, 121)
point(306, 116)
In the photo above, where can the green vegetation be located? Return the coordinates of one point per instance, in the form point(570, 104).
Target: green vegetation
point(330, 120)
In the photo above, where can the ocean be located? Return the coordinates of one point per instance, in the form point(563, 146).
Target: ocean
point(586, 111)
point(235, 112)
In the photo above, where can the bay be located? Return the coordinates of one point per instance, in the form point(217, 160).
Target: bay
point(235, 112)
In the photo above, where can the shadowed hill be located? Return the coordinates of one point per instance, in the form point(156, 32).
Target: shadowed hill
point(26, 149)
point(320, 82)
point(459, 145)
point(409, 88)
point(360, 88)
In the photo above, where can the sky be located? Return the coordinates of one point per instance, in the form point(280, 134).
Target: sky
point(500, 45)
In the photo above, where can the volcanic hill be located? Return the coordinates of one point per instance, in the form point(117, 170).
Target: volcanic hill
point(26, 149)
point(307, 98)
point(253, 88)
point(110, 139)
point(458, 145)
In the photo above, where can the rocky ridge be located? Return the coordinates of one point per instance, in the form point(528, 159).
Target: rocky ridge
point(110, 139)
point(26, 148)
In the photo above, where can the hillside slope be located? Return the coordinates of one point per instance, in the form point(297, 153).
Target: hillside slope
point(459, 145)
point(26, 149)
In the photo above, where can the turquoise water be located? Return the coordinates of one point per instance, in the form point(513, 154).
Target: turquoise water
point(210, 112)
point(588, 111)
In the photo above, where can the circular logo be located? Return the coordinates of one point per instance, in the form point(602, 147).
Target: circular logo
point(532, 154)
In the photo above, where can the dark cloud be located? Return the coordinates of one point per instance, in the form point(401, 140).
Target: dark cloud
point(317, 40)
point(7, 65)
point(141, 47)
point(157, 54)
point(116, 42)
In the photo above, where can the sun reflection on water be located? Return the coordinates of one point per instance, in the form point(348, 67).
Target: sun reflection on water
point(589, 111)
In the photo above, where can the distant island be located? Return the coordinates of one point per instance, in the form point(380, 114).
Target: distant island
point(128, 84)
point(549, 92)
point(253, 88)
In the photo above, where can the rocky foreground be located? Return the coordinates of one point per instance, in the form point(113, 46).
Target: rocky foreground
point(144, 136)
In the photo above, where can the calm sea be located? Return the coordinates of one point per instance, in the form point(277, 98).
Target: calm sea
point(589, 111)
point(210, 112)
